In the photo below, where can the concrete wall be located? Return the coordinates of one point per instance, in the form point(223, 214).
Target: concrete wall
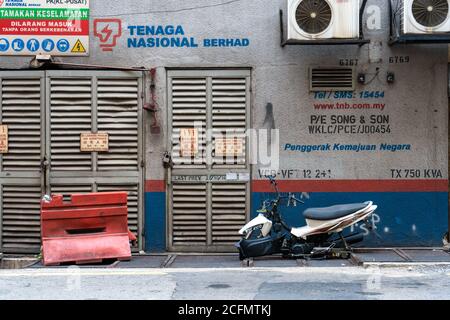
point(409, 185)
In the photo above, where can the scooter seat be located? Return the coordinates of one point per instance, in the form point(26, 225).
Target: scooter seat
point(333, 212)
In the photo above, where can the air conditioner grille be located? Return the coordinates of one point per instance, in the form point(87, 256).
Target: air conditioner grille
point(313, 16)
point(332, 79)
point(430, 13)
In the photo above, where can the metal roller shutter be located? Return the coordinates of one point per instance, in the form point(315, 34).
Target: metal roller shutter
point(46, 111)
point(189, 111)
point(229, 205)
point(207, 208)
point(117, 101)
point(104, 101)
point(21, 109)
point(189, 214)
point(71, 114)
point(21, 231)
point(229, 115)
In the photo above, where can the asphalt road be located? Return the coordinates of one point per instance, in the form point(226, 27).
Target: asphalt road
point(278, 283)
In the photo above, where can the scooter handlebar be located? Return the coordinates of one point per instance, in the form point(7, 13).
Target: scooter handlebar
point(272, 179)
point(298, 200)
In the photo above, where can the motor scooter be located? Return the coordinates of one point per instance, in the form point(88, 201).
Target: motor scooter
point(320, 238)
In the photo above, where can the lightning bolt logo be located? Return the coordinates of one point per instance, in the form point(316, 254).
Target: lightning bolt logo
point(106, 33)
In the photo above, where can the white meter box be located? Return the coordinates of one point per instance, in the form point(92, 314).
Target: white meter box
point(51, 27)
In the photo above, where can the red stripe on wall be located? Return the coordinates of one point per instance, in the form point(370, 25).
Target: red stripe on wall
point(7, 28)
point(155, 186)
point(435, 185)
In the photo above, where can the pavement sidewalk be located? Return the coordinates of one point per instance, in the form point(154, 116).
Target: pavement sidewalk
point(386, 257)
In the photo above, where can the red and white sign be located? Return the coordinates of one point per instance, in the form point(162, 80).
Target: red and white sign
point(44, 27)
point(229, 147)
point(189, 142)
point(3, 138)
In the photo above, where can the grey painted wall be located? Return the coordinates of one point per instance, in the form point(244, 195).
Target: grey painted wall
point(416, 103)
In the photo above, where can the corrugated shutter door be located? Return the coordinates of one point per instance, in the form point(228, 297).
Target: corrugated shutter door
point(206, 215)
point(46, 112)
point(21, 104)
point(229, 121)
point(117, 101)
point(229, 115)
point(70, 110)
point(189, 214)
point(94, 102)
point(21, 111)
point(228, 212)
point(189, 111)
point(21, 218)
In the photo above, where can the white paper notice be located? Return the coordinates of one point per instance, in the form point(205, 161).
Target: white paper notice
point(232, 176)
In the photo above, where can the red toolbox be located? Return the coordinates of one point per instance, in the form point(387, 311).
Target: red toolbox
point(87, 229)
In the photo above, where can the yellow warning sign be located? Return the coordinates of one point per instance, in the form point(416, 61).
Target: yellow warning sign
point(78, 47)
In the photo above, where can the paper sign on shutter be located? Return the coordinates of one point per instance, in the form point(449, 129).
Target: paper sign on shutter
point(188, 142)
point(3, 139)
point(94, 142)
point(229, 147)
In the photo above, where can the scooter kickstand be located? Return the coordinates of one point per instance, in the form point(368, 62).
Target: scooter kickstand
point(347, 247)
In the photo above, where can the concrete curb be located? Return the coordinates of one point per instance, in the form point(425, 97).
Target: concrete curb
point(404, 264)
point(17, 263)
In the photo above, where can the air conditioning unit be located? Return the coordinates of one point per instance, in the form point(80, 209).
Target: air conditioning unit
point(425, 16)
point(323, 19)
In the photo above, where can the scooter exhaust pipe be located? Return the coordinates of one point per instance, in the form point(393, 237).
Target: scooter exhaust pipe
point(350, 239)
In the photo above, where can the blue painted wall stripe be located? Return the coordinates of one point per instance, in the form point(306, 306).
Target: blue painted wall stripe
point(405, 218)
point(155, 221)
